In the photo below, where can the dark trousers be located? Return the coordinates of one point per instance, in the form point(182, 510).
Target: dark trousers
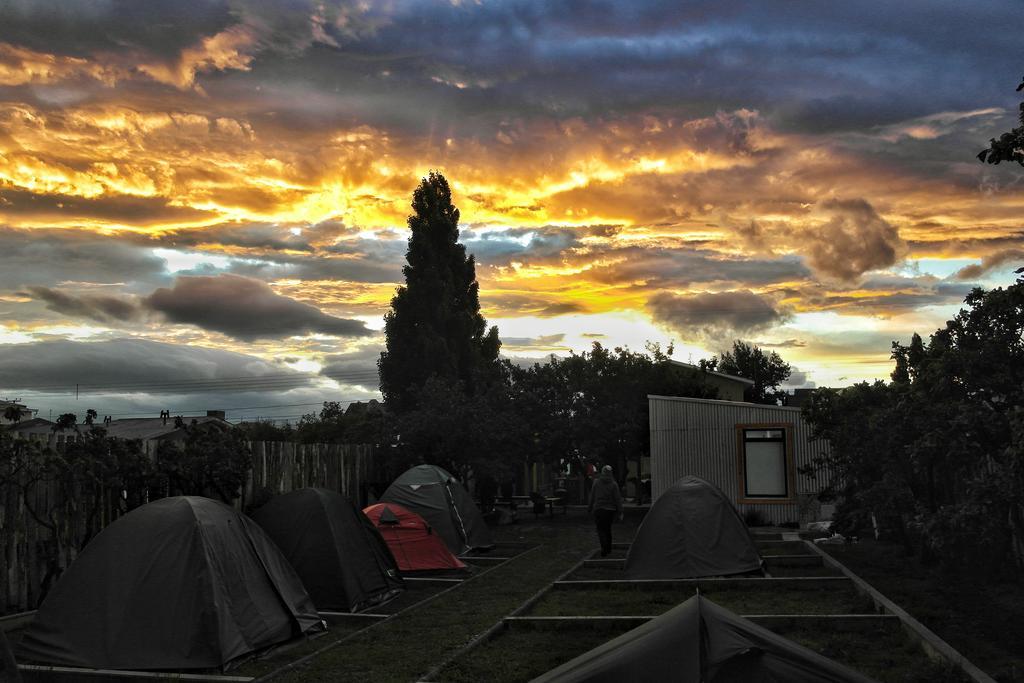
point(603, 519)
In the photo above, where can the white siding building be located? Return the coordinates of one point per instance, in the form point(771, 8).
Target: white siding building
point(750, 451)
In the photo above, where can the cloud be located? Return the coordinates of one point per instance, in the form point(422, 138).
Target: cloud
point(355, 368)
point(516, 305)
point(245, 309)
point(124, 209)
point(44, 257)
point(679, 265)
point(989, 262)
point(104, 309)
point(542, 341)
point(784, 344)
point(716, 316)
point(499, 248)
point(143, 365)
point(798, 379)
point(882, 295)
point(853, 240)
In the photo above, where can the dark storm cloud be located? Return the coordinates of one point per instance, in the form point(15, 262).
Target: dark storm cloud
point(101, 308)
point(716, 315)
point(798, 379)
point(499, 248)
point(1014, 257)
point(152, 366)
point(884, 296)
point(808, 65)
point(245, 309)
point(120, 208)
point(85, 28)
point(514, 305)
point(249, 236)
point(526, 58)
point(43, 257)
point(355, 368)
point(662, 267)
point(853, 240)
point(366, 262)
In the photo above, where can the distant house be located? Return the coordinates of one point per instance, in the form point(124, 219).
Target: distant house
point(150, 430)
point(730, 387)
point(24, 412)
point(751, 452)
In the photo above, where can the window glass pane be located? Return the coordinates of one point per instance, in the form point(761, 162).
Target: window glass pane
point(765, 469)
point(756, 434)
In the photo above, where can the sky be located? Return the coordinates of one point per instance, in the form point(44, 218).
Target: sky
point(203, 204)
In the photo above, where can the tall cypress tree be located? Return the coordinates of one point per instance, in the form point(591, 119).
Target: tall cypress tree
point(434, 327)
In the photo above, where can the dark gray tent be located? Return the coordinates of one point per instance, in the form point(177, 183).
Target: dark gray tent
point(700, 642)
point(180, 583)
point(692, 530)
point(439, 498)
point(336, 551)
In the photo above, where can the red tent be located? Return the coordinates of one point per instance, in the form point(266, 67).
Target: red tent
point(411, 540)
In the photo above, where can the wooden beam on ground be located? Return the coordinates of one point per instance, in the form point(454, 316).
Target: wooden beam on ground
point(799, 582)
point(604, 563)
point(934, 646)
point(72, 673)
point(833, 622)
point(16, 621)
point(793, 560)
point(431, 580)
point(496, 629)
point(483, 559)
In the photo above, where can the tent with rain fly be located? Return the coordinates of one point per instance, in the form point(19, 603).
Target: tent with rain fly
point(412, 542)
point(700, 642)
point(439, 498)
point(179, 583)
point(336, 551)
point(692, 530)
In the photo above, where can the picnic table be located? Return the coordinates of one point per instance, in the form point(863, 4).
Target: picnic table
point(549, 503)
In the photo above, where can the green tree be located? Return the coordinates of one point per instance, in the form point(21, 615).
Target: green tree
point(369, 423)
point(478, 436)
point(12, 413)
point(90, 482)
point(212, 461)
point(434, 327)
point(594, 404)
point(65, 421)
point(937, 456)
point(1010, 145)
point(767, 370)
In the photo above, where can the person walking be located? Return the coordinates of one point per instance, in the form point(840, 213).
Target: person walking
point(605, 505)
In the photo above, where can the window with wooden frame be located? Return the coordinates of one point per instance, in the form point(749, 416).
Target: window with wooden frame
point(765, 462)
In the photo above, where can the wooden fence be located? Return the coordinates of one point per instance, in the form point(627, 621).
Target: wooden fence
point(44, 526)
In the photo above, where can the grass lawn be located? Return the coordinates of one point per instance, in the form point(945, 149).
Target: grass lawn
point(782, 548)
point(777, 570)
point(769, 600)
point(411, 644)
point(613, 573)
point(519, 654)
point(983, 621)
point(420, 639)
